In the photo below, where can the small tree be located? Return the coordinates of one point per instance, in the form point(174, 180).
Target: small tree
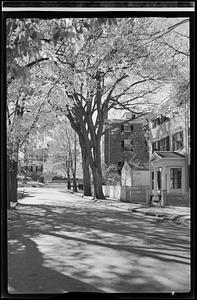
point(64, 153)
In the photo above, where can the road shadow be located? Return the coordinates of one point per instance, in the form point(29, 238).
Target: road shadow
point(36, 277)
point(83, 229)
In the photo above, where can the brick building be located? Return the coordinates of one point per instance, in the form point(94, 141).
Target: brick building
point(124, 141)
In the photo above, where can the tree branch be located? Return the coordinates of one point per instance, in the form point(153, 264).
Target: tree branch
point(26, 66)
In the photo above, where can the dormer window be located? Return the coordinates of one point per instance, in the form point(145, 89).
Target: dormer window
point(159, 120)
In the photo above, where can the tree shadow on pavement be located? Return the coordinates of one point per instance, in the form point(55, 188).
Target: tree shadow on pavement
point(28, 275)
point(101, 249)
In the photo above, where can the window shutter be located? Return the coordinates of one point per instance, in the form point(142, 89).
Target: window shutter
point(131, 126)
point(167, 143)
point(122, 127)
point(158, 145)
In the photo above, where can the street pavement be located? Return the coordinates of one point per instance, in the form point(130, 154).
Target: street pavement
point(172, 213)
point(60, 242)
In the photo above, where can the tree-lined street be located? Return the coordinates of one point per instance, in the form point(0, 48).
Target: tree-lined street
point(79, 89)
point(81, 69)
point(60, 242)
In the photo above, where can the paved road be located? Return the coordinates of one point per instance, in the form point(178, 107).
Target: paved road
point(60, 242)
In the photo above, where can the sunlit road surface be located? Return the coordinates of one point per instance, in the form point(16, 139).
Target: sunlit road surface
point(60, 242)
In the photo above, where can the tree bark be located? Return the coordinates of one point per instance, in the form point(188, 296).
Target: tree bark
point(97, 173)
point(86, 172)
point(12, 182)
point(97, 179)
point(74, 164)
point(68, 184)
point(68, 181)
point(74, 184)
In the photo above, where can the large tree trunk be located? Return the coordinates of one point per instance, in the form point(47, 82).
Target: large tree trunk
point(74, 184)
point(97, 173)
point(68, 181)
point(74, 164)
point(86, 172)
point(97, 178)
point(12, 182)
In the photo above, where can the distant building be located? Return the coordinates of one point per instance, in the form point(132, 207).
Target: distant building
point(124, 141)
point(35, 155)
point(170, 156)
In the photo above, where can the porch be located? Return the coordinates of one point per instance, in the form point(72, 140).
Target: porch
point(169, 179)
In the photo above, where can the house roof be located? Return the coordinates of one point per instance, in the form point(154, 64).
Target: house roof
point(170, 154)
point(141, 166)
point(129, 121)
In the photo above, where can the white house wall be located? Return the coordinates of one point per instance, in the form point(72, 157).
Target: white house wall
point(141, 178)
point(168, 164)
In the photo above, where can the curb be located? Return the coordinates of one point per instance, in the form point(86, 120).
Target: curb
point(161, 217)
point(178, 219)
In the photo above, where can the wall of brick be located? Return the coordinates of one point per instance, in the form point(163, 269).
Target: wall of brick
point(113, 149)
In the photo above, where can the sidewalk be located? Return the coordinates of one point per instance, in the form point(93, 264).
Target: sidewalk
point(180, 215)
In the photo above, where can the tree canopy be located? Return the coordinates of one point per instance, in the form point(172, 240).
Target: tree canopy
point(84, 67)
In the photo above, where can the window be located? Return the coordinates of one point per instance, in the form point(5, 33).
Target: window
point(155, 146)
point(159, 179)
point(161, 145)
point(158, 121)
point(158, 145)
point(152, 177)
point(127, 145)
point(175, 177)
point(177, 141)
point(165, 144)
point(127, 128)
point(189, 140)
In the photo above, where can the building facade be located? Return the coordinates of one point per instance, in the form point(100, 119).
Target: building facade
point(133, 176)
point(34, 156)
point(124, 140)
point(169, 154)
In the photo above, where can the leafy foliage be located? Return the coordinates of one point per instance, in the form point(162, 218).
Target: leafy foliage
point(84, 67)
